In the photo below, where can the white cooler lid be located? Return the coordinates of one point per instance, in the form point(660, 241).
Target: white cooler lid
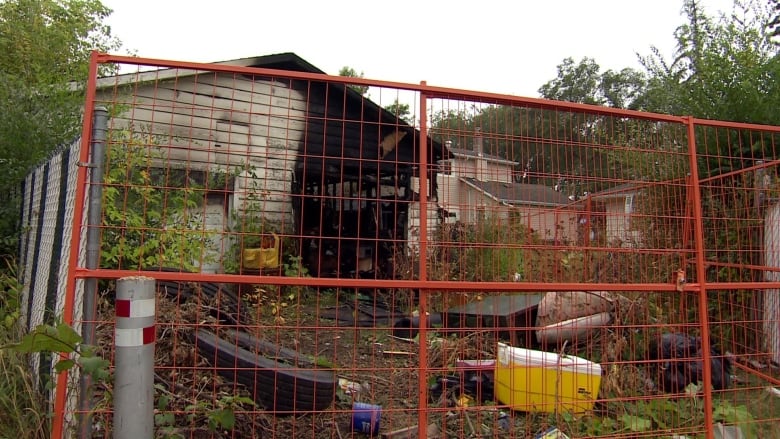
point(509, 355)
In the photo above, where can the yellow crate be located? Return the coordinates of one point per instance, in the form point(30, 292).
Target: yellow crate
point(265, 257)
point(536, 381)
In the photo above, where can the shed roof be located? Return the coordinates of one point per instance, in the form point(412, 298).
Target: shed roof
point(619, 191)
point(520, 193)
point(343, 127)
point(470, 153)
point(280, 61)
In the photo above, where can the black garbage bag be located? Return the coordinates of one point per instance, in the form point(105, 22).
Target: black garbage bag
point(473, 384)
point(677, 361)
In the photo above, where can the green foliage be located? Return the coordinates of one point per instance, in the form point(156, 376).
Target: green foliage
point(10, 295)
point(23, 407)
point(485, 251)
point(220, 415)
point(294, 267)
point(352, 73)
point(584, 83)
point(656, 415)
point(164, 419)
point(536, 140)
point(48, 41)
point(19, 395)
point(44, 57)
point(62, 338)
point(635, 423)
point(723, 68)
point(151, 215)
point(401, 110)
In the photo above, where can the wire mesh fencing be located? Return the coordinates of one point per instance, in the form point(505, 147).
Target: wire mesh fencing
point(340, 256)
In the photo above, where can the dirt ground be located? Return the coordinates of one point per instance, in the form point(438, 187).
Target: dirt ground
point(373, 366)
point(378, 368)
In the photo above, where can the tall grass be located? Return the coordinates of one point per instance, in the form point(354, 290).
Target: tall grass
point(23, 409)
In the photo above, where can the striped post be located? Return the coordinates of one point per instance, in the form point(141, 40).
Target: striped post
point(134, 338)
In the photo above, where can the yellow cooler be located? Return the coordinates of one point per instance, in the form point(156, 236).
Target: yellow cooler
point(536, 381)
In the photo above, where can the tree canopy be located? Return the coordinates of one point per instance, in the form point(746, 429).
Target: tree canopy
point(584, 83)
point(350, 72)
point(44, 50)
point(724, 67)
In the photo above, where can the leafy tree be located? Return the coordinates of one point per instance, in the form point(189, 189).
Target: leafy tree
point(722, 69)
point(44, 55)
point(585, 84)
point(350, 72)
point(401, 110)
point(575, 83)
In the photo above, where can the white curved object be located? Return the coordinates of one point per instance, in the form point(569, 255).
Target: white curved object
point(573, 328)
point(559, 306)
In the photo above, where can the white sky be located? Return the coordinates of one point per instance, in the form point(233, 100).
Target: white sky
point(510, 46)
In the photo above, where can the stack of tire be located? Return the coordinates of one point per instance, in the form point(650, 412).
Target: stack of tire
point(279, 379)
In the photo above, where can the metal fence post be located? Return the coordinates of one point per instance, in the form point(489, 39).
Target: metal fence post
point(94, 219)
point(134, 339)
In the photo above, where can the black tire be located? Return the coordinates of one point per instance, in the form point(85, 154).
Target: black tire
point(176, 291)
point(280, 379)
point(227, 307)
point(280, 386)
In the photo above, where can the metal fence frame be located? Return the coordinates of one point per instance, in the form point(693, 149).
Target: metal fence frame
point(75, 269)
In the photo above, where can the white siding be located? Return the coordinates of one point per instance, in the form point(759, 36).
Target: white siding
point(618, 222)
point(413, 231)
point(222, 121)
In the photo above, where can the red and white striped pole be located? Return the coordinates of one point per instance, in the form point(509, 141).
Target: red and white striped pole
point(134, 338)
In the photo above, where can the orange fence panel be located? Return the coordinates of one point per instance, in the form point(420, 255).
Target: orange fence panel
point(461, 263)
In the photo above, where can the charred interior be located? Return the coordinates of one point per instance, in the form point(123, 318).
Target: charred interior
point(353, 183)
point(353, 226)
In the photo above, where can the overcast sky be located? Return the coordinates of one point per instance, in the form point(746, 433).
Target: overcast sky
point(510, 46)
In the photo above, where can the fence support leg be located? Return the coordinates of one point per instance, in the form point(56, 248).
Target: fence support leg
point(134, 339)
point(94, 220)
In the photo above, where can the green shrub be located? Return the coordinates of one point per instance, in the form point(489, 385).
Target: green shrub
point(23, 409)
point(151, 213)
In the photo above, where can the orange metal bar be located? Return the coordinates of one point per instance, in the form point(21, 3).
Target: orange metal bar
point(745, 266)
point(670, 194)
point(437, 92)
point(75, 241)
point(686, 236)
point(388, 283)
point(588, 228)
point(430, 91)
point(702, 282)
point(735, 125)
point(422, 380)
point(775, 381)
point(766, 164)
point(743, 285)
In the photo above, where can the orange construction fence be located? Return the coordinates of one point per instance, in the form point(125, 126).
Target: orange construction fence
point(337, 257)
